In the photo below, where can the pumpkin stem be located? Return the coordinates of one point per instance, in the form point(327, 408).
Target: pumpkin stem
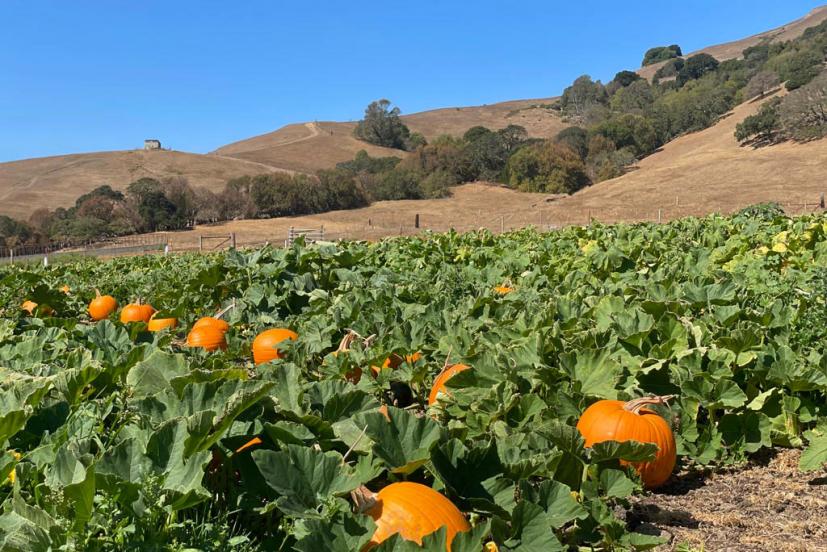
point(363, 498)
point(225, 310)
point(353, 446)
point(97, 293)
point(447, 362)
point(347, 340)
point(635, 405)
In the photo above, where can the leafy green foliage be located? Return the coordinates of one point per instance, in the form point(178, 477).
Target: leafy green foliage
point(661, 53)
point(128, 439)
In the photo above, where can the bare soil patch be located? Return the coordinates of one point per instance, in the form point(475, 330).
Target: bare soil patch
point(767, 505)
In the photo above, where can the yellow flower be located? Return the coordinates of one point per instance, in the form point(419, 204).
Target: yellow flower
point(588, 246)
point(13, 475)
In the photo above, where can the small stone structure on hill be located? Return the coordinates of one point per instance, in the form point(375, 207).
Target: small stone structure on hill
point(152, 144)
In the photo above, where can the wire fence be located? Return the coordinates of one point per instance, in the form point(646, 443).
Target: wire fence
point(543, 216)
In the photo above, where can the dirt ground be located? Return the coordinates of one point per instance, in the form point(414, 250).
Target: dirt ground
point(767, 505)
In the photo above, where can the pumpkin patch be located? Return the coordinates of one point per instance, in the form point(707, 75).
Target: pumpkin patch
point(598, 383)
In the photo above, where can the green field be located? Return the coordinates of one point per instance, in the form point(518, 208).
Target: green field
point(116, 438)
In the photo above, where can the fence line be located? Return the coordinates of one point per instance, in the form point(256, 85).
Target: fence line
point(544, 216)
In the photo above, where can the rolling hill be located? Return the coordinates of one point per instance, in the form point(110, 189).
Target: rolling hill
point(732, 50)
point(699, 173)
point(318, 145)
point(57, 181)
point(306, 147)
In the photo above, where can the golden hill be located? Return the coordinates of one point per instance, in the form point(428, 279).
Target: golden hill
point(705, 172)
point(57, 181)
point(732, 50)
point(309, 147)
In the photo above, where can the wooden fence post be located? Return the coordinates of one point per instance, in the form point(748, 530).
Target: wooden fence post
point(659, 215)
point(232, 240)
point(821, 202)
point(416, 221)
point(200, 242)
point(11, 255)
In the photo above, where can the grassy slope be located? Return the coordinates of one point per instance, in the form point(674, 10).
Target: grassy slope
point(731, 50)
point(57, 181)
point(312, 146)
point(706, 171)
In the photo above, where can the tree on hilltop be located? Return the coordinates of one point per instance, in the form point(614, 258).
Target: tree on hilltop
point(382, 126)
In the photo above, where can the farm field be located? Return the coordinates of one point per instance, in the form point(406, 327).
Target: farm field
point(447, 373)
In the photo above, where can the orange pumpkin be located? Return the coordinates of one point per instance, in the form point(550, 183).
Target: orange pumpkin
point(439, 382)
point(31, 307)
point(207, 338)
point(632, 421)
point(503, 290)
point(102, 306)
point(265, 344)
point(410, 509)
point(212, 322)
point(65, 289)
point(136, 312)
point(158, 324)
point(395, 361)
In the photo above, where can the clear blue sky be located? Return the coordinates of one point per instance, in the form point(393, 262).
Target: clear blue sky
point(99, 75)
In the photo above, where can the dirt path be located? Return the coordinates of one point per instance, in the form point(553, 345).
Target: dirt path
point(765, 506)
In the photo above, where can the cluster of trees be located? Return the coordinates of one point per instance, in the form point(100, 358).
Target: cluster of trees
point(629, 117)
point(801, 115)
point(150, 205)
point(661, 53)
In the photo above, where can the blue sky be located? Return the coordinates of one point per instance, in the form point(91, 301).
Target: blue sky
point(105, 74)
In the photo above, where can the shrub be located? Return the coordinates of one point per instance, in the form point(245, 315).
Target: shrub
point(761, 83)
point(579, 99)
point(695, 67)
point(575, 138)
point(364, 163)
point(803, 111)
point(547, 167)
point(763, 127)
point(669, 69)
point(661, 53)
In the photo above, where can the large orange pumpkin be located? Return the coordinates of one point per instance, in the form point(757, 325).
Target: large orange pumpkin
point(136, 312)
point(102, 306)
point(207, 338)
point(265, 344)
point(439, 382)
point(632, 421)
point(410, 509)
point(212, 322)
point(158, 324)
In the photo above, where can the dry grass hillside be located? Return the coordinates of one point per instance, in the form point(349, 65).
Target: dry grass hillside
point(706, 171)
point(309, 147)
point(695, 174)
point(731, 50)
point(57, 181)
